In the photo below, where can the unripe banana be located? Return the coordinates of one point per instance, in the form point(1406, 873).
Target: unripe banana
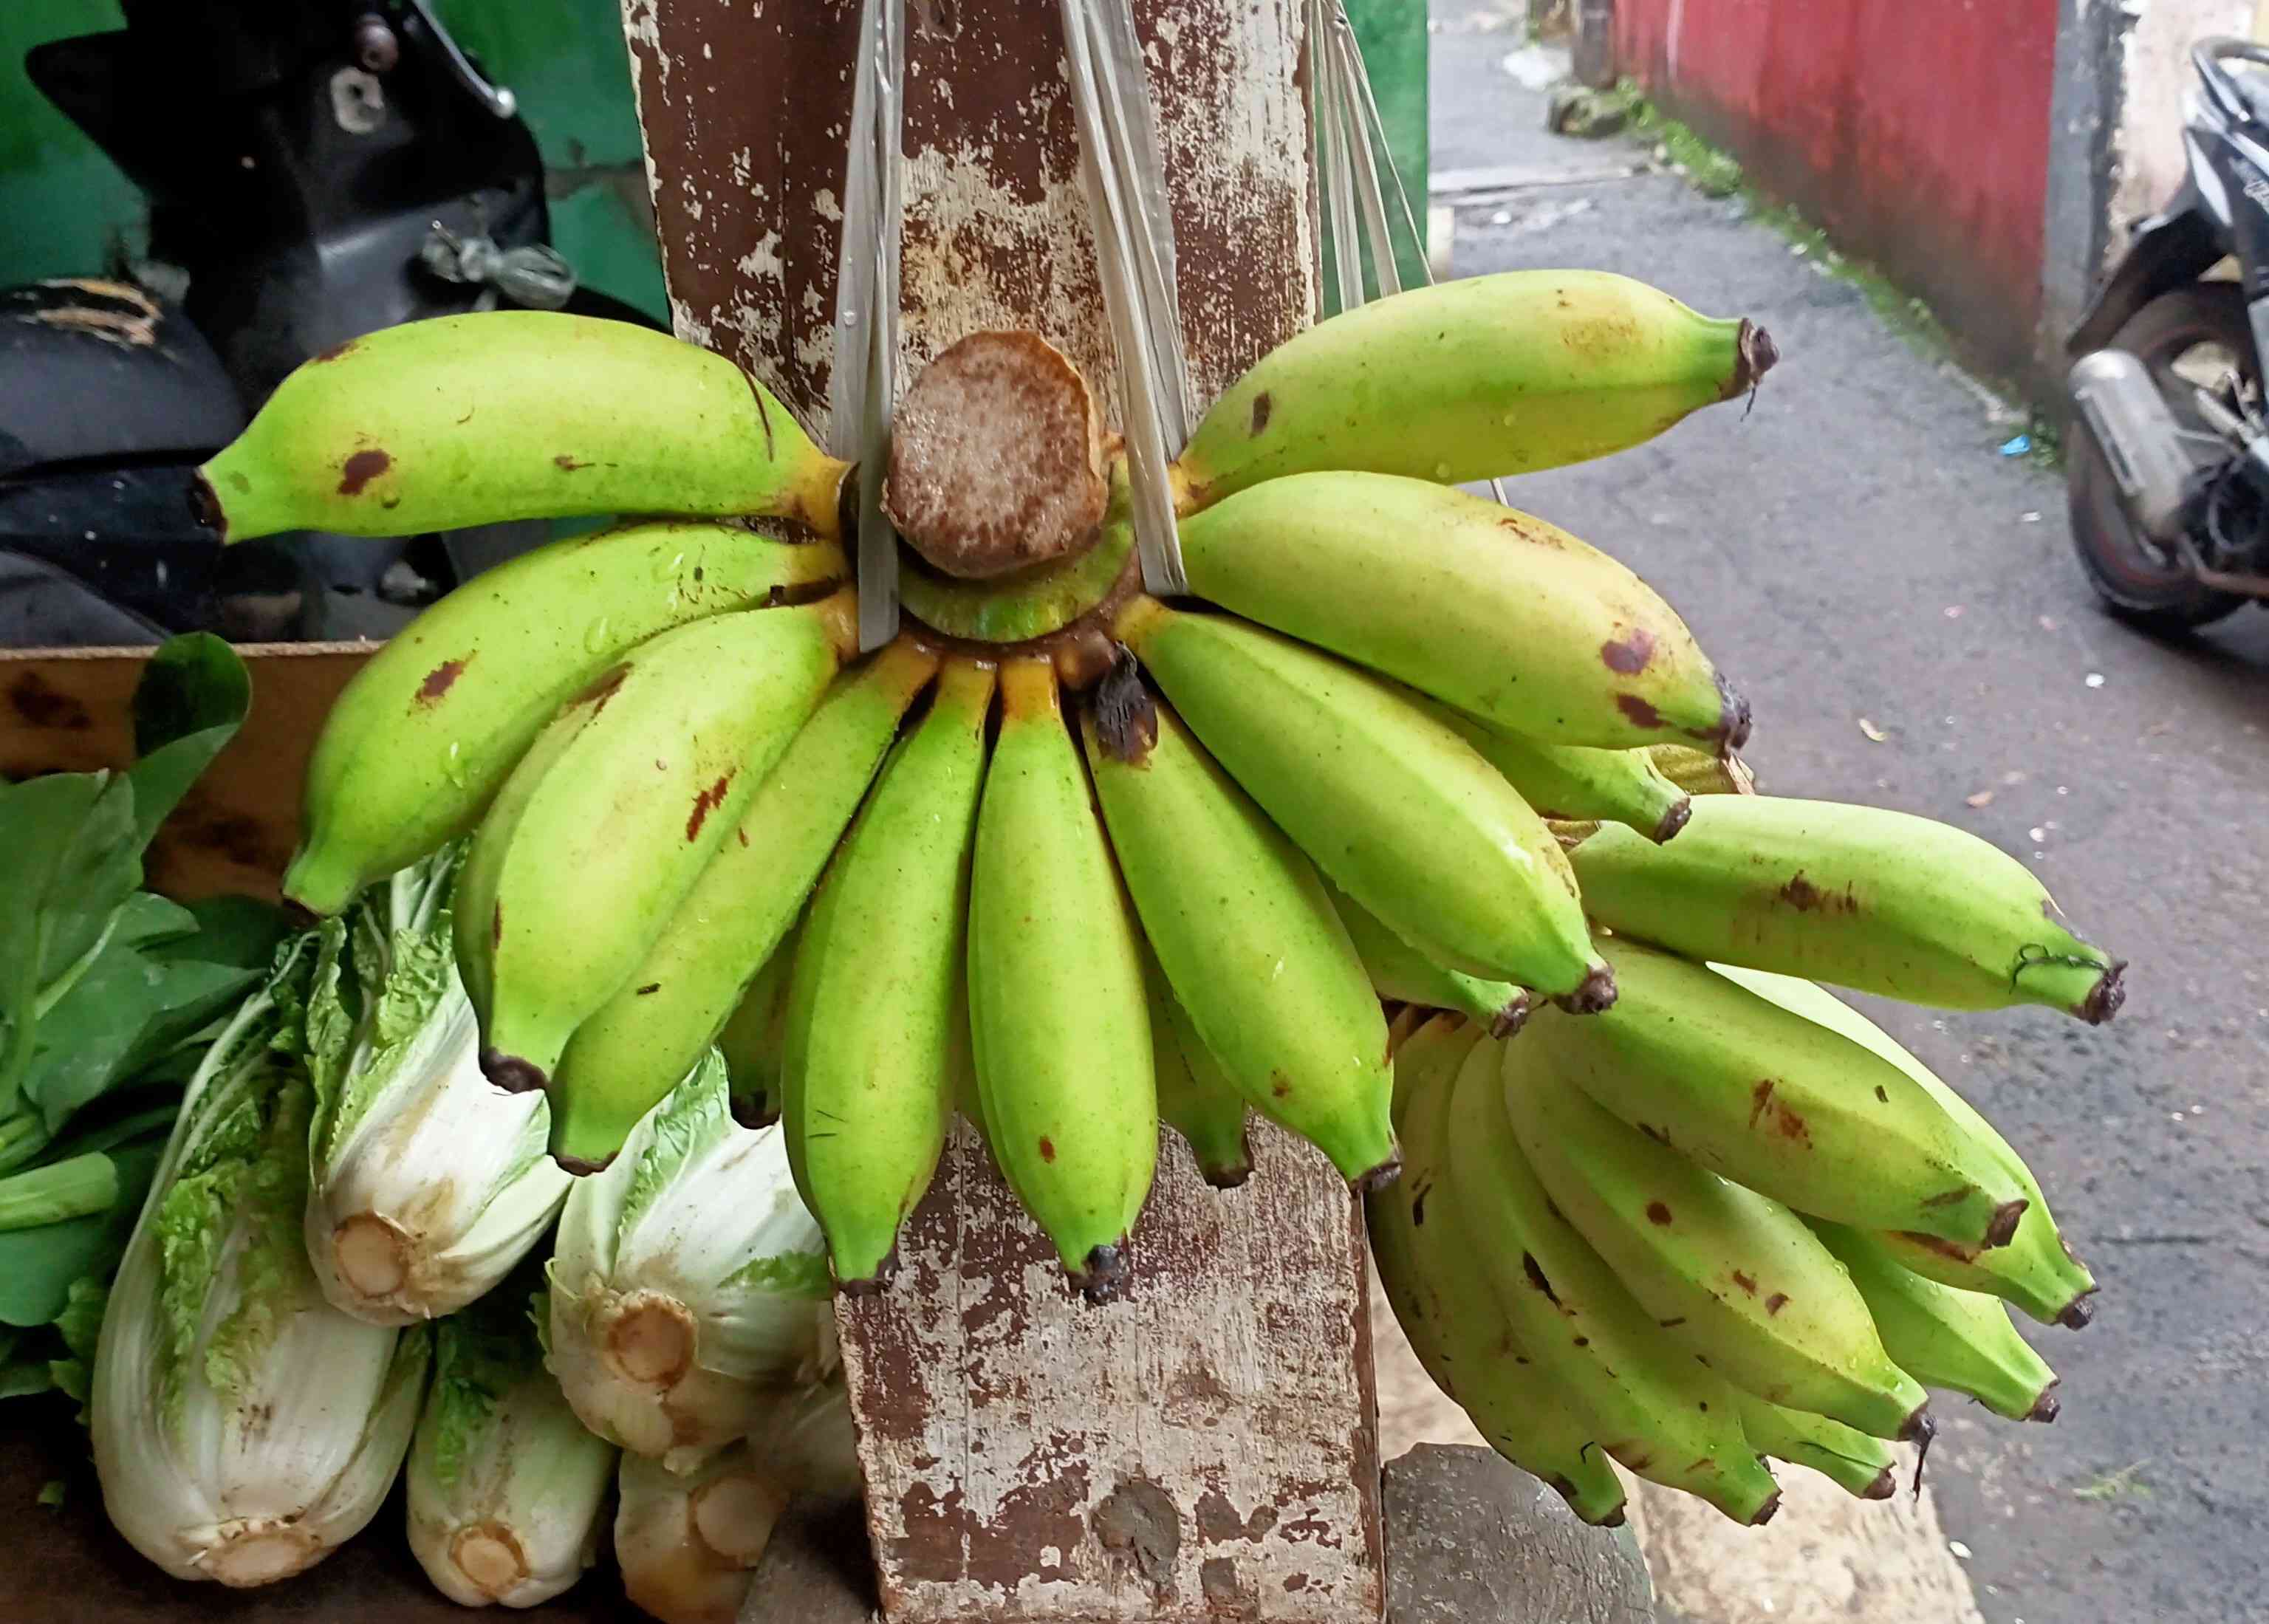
point(1195, 1096)
point(1474, 379)
point(1880, 901)
point(1245, 931)
point(1490, 611)
point(1389, 803)
point(1860, 1466)
point(427, 731)
point(1771, 1100)
point(1058, 1017)
point(1575, 781)
point(868, 1063)
point(514, 414)
point(599, 832)
point(731, 925)
point(1702, 772)
point(1399, 971)
point(749, 1041)
point(1959, 1340)
point(1734, 1277)
point(2036, 1270)
point(1448, 1311)
point(1651, 1408)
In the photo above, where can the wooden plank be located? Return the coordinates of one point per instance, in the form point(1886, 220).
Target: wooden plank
point(1203, 1448)
point(70, 711)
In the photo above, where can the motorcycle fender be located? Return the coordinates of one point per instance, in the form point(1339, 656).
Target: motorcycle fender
point(2168, 250)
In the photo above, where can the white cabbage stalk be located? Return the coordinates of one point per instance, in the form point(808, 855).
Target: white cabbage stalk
point(506, 1486)
point(689, 1545)
point(243, 1428)
point(688, 1279)
point(430, 1183)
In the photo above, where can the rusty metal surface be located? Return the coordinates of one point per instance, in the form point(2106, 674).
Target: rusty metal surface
point(1201, 1450)
point(746, 109)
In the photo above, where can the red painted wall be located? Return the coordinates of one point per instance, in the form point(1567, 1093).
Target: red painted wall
point(1916, 131)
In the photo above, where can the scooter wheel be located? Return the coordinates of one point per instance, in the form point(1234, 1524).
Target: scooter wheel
point(2136, 582)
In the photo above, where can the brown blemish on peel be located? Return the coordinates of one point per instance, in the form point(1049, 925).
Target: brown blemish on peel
point(1776, 1303)
point(1639, 712)
point(1047, 1149)
point(1630, 652)
point(708, 801)
point(603, 689)
point(1745, 1283)
point(1806, 897)
point(1261, 404)
point(496, 925)
point(1535, 1272)
point(1776, 1116)
point(1658, 1213)
point(336, 351)
point(1882, 1094)
point(361, 468)
point(567, 464)
point(649, 988)
point(439, 680)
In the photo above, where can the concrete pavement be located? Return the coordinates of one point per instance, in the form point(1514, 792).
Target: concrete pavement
point(1900, 604)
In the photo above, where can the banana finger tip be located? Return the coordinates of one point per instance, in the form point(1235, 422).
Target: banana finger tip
point(1675, 819)
point(2006, 1216)
point(1100, 1280)
point(510, 1072)
point(1772, 1503)
point(2045, 1409)
point(1378, 1177)
point(2105, 997)
point(1512, 1017)
point(2078, 1314)
point(1593, 995)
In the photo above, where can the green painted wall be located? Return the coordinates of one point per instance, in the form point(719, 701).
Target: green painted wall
point(70, 212)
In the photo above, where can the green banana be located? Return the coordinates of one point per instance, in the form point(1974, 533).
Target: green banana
point(1245, 931)
point(605, 825)
point(1399, 971)
point(1471, 380)
point(1771, 1100)
point(518, 414)
point(868, 1064)
point(1959, 1341)
point(750, 1042)
point(1058, 1018)
point(1388, 802)
point(1446, 1309)
point(1654, 1411)
point(1860, 1466)
point(2036, 1270)
point(1880, 901)
point(1575, 781)
point(1735, 1276)
point(427, 731)
point(1702, 772)
point(681, 997)
point(1501, 614)
point(1195, 1097)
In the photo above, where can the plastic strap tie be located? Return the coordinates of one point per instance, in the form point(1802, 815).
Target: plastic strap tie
point(1123, 170)
point(862, 384)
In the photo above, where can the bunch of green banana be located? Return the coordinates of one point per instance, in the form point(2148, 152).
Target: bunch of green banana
point(1083, 865)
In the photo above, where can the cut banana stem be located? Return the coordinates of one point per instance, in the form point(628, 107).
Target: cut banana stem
point(662, 1018)
point(1195, 1097)
point(1572, 781)
point(1959, 1340)
point(1398, 970)
point(1653, 1409)
point(477, 419)
point(2036, 1270)
point(1868, 899)
point(1782, 1104)
point(1733, 1276)
point(1862, 1466)
point(606, 825)
point(1474, 379)
point(1058, 1017)
point(1389, 803)
point(1493, 611)
point(1248, 939)
point(867, 1066)
point(433, 723)
point(1446, 1308)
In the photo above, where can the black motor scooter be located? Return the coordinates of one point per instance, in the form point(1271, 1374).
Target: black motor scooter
point(315, 169)
point(2167, 464)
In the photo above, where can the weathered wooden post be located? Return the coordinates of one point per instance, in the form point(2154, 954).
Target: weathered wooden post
point(1205, 1448)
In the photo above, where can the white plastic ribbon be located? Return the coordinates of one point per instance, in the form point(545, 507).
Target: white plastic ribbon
point(862, 387)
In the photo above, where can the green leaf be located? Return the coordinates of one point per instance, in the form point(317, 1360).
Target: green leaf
point(71, 1187)
point(24, 1378)
point(38, 1267)
point(68, 838)
point(194, 695)
point(52, 1493)
point(131, 1008)
point(80, 1324)
point(480, 1353)
point(242, 931)
point(692, 1116)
